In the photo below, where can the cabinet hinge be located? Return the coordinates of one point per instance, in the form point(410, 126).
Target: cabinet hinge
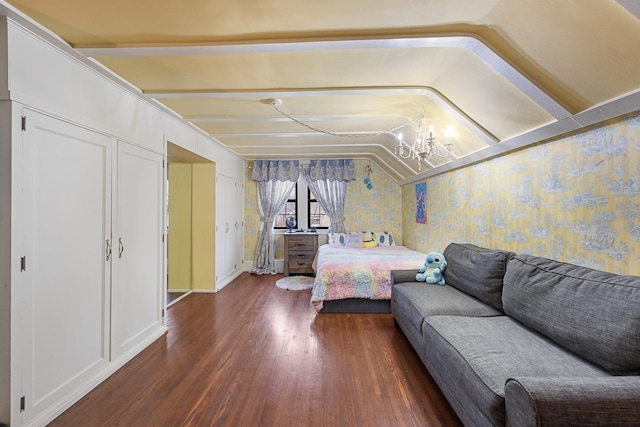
point(22, 404)
point(24, 123)
point(163, 313)
point(23, 263)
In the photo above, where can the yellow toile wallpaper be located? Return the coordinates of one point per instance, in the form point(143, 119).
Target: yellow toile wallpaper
point(576, 199)
point(378, 209)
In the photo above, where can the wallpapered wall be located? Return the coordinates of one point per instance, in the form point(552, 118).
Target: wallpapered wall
point(378, 209)
point(576, 199)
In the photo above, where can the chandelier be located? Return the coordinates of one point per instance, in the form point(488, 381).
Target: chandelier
point(424, 147)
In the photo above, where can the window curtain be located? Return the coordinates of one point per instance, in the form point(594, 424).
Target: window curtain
point(327, 180)
point(275, 179)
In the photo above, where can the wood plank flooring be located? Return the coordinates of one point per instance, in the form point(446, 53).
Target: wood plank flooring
point(257, 355)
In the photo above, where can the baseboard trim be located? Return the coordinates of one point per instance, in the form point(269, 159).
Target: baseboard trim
point(76, 394)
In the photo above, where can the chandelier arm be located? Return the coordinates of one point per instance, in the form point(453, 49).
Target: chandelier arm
point(400, 150)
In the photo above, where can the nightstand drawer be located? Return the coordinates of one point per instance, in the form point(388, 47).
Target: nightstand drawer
point(302, 265)
point(297, 243)
point(297, 258)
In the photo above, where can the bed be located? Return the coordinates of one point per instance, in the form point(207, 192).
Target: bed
point(357, 279)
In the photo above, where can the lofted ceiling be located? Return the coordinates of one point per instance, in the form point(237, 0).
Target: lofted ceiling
point(497, 74)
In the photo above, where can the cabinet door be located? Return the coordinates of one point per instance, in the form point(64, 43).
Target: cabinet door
point(64, 288)
point(239, 226)
point(229, 228)
point(224, 213)
point(137, 249)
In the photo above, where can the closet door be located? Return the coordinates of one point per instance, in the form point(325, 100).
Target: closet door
point(137, 286)
point(223, 227)
point(64, 285)
point(229, 225)
point(239, 225)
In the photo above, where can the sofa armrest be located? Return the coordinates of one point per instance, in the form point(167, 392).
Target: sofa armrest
point(401, 276)
point(573, 401)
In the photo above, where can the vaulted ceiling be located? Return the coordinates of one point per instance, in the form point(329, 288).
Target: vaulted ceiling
point(496, 74)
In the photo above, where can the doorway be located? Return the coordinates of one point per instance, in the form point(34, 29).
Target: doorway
point(190, 224)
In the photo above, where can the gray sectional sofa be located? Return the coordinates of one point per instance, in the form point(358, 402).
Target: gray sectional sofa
point(520, 340)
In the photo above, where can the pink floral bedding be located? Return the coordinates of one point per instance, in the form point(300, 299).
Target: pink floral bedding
point(359, 272)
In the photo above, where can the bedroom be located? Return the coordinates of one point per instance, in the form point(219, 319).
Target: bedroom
point(563, 184)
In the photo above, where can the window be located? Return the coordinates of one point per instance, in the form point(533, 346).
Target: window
point(317, 216)
point(303, 206)
point(290, 209)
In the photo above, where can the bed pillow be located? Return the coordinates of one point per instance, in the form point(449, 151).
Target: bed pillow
point(337, 239)
point(354, 240)
point(384, 238)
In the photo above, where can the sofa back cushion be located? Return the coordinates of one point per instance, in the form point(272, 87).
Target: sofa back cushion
point(588, 312)
point(476, 271)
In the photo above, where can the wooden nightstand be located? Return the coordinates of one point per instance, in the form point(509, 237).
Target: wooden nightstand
point(299, 251)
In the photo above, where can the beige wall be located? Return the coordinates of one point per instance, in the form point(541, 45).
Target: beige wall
point(191, 238)
point(179, 236)
point(575, 199)
point(204, 226)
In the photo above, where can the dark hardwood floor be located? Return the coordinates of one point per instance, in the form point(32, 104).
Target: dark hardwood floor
point(257, 355)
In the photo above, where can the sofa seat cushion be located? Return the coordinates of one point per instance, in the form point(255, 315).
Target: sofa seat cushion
point(415, 301)
point(592, 313)
point(477, 271)
point(472, 358)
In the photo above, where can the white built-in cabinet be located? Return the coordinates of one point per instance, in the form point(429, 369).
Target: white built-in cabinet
point(137, 266)
point(229, 228)
point(91, 284)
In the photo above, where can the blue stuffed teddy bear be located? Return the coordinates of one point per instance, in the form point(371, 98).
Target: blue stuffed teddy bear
point(431, 271)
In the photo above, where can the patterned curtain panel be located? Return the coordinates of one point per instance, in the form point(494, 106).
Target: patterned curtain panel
point(275, 170)
point(272, 195)
point(330, 194)
point(276, 179)
point(334, 170)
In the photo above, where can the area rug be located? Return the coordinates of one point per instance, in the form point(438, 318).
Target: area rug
point(295, 283)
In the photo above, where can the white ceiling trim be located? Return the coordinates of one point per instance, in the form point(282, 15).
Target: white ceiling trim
point(326, 149)
point(199, 119)
point(470, 43)
point(633, 6)
point(343, 135)
point(431, 93)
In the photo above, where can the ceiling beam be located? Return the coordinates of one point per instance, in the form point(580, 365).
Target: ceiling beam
point(468, 42)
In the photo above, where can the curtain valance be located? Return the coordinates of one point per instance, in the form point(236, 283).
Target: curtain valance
point(333, 170)
point(275, 170)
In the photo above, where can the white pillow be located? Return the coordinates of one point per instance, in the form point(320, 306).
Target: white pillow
point(384, 238)
point(337, 239)
point(354, 240)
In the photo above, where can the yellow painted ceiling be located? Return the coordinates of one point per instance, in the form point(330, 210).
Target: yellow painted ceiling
point(498, 73)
